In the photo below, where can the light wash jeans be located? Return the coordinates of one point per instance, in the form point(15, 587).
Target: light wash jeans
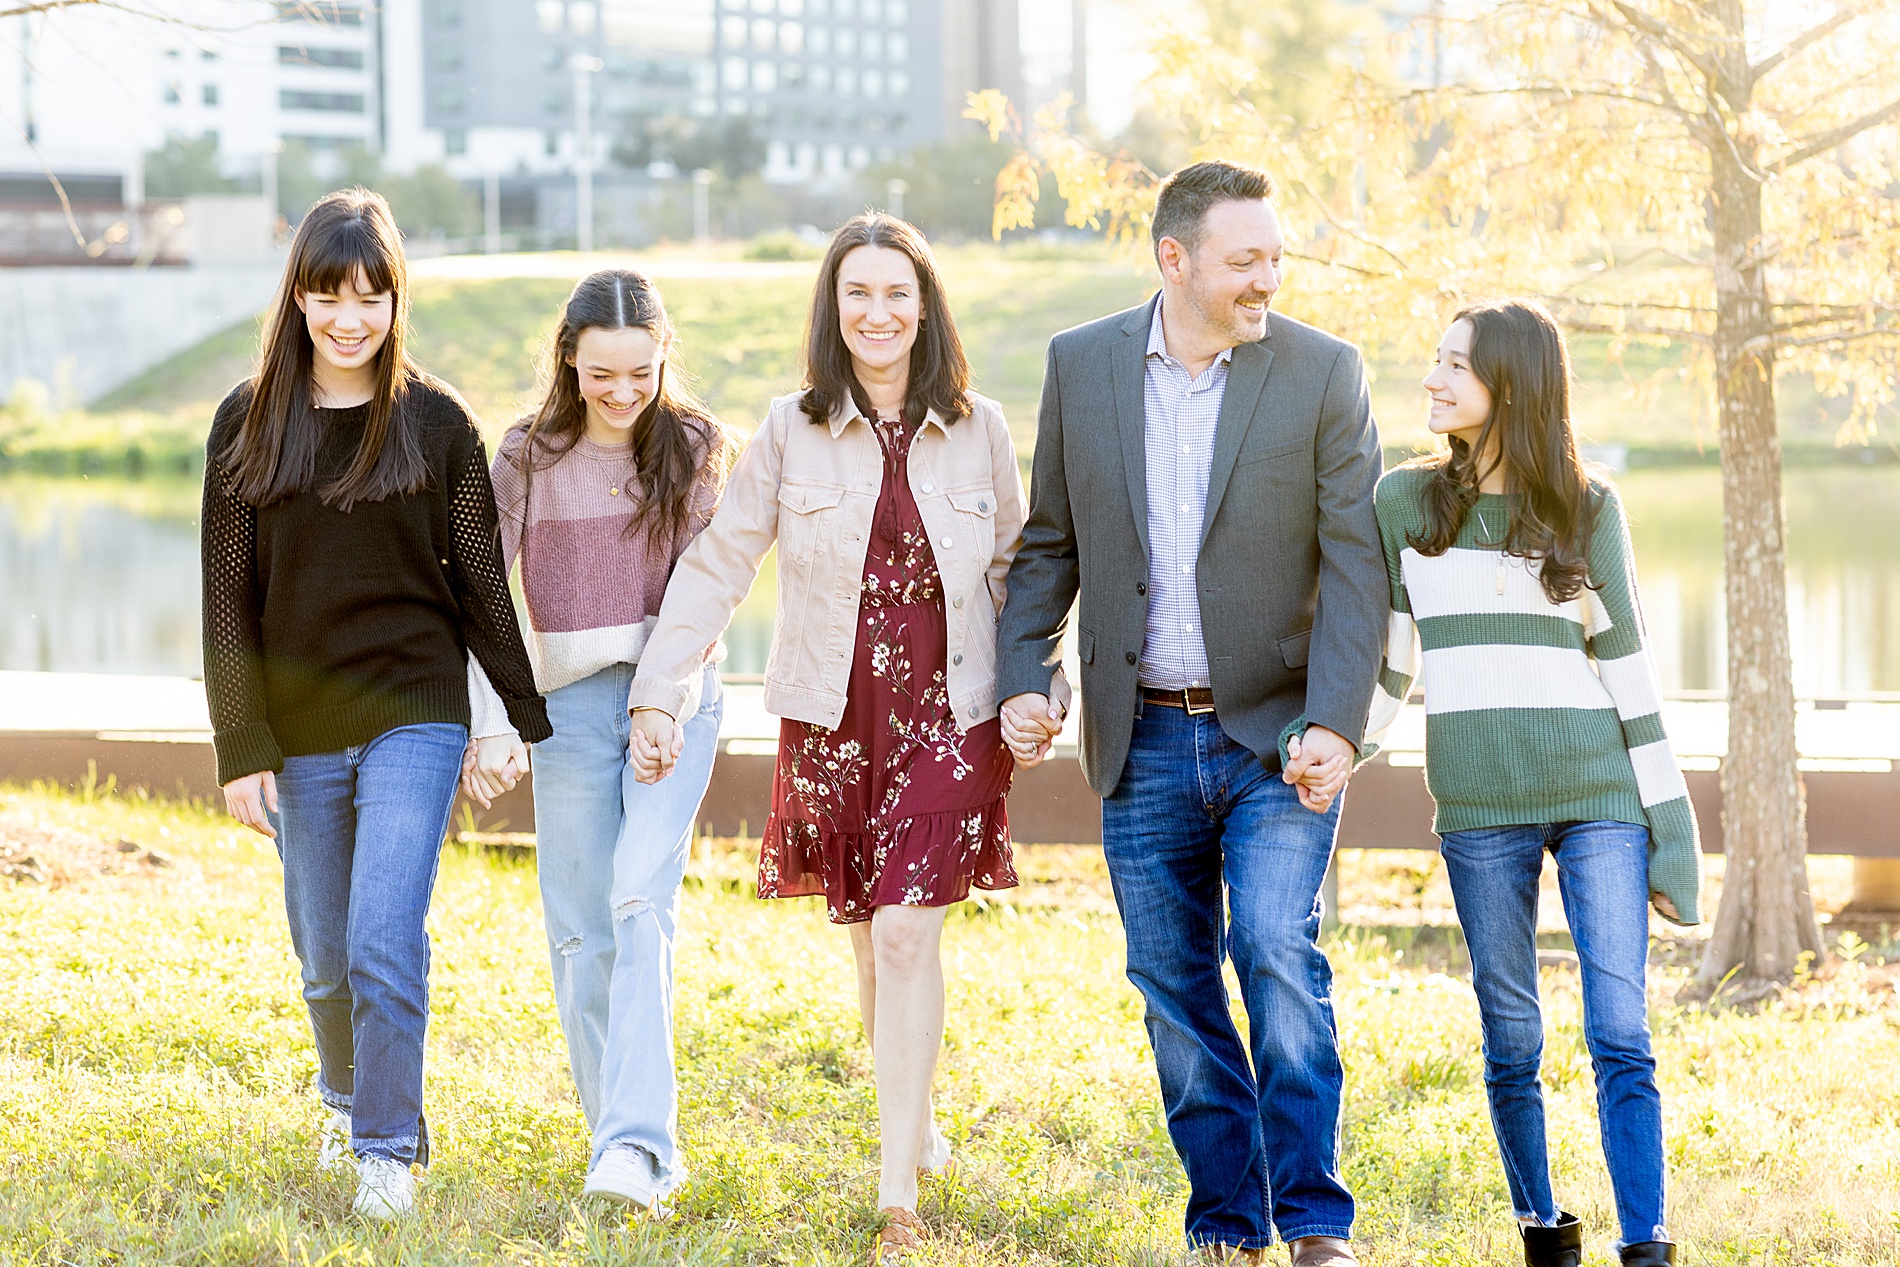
point(1603, 874)
point(1211, 856)
point(360, 833)
point(612, 854)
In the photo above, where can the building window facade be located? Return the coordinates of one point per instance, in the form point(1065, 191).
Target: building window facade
point(333, 102)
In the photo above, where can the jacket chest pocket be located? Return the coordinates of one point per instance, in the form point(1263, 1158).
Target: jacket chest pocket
point(807, 520)
point(976, 520)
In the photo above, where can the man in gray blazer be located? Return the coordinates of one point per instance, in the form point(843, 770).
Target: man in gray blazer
point(1203, 478)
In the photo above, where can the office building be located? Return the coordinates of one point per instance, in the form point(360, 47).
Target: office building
point(99, 87)
point(828, 85)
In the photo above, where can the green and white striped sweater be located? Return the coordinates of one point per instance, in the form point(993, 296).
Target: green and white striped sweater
point(1535, 712)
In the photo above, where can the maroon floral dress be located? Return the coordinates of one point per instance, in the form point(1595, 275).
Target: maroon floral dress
point(896, 807)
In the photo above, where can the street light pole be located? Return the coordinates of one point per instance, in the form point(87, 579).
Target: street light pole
point(583, 67)
point(702, 205)
point(273, 148)
point(491, 211)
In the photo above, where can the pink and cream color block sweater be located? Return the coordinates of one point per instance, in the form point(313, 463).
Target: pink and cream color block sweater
point(593, 589)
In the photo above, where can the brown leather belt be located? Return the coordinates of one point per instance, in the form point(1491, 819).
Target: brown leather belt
point(1195, 699)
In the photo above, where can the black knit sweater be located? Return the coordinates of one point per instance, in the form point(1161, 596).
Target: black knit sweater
point(324, 628)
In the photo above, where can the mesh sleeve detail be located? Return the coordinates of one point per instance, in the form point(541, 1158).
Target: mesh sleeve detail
point(488, 612)
point(233, 645)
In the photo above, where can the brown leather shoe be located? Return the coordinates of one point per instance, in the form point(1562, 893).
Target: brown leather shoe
point(1322, 1251)
point(902, 1233)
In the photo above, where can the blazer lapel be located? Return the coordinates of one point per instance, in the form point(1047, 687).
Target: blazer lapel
point(1246, 379)
point(1128, 370)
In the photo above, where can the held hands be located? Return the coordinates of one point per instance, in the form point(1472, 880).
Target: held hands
point(247, 799)
point(1031, 723)
point(491, 766)
point(654, 745)
point(1321, 762)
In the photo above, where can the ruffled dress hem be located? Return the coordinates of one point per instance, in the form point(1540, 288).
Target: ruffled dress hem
point(795, 857)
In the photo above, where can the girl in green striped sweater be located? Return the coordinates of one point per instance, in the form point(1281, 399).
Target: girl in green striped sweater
point(1510, 569)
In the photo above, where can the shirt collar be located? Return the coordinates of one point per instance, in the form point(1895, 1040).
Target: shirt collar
point(1158, 340)
point(848, 412)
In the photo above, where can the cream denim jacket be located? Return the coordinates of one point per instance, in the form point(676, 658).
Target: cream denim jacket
point(812, 489)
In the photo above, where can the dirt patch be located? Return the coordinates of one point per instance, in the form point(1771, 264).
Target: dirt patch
point(37, 852)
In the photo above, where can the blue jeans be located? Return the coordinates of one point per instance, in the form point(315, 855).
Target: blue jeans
point(1197, 817)
point(360, 832)
point(1603, 873)
point(612, 855)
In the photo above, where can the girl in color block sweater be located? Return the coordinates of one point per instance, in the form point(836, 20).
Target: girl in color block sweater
point(599, 492)
point(1511, 568)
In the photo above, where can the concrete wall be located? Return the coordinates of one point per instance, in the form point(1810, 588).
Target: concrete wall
point(86, 330)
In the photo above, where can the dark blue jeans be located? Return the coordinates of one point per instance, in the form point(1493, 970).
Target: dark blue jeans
point(360, 833)
point(1603, 873)
point(1211, 854)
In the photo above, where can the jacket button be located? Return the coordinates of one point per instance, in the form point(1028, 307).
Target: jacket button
point(983, 506)
point(1141, 587)
point(945, 543)
point(1131, 657)
point(925, 486)
point(957, 601)
point(956, 659)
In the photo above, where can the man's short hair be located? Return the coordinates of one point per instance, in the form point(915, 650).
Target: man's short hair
point(1189, 194)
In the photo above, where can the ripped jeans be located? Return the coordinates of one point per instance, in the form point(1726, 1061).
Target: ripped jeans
point(612, 853)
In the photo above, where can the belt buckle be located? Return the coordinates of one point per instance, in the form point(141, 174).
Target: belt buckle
point(1187, 702)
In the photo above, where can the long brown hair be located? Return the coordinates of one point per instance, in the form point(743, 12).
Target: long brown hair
point(348, 236)
point(939, 371)
point(1518, 353)
point(677, 442)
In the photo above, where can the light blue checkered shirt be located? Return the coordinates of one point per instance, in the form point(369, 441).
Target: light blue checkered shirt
point(1180, 413)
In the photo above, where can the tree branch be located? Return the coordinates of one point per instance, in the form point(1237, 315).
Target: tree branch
point(1834, 136)
point(1669, 37)
point(1323, 262)
point(1348, 232)
point(1576, 325)
point(1780, 342)
point(1819, 31)
point(1567, 91)
point(17, 8)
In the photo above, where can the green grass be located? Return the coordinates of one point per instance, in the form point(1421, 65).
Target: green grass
point(155, 1070)
point(740, 335)
point(740, 342)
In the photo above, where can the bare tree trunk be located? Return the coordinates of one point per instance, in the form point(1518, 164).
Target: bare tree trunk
point(1766, 919)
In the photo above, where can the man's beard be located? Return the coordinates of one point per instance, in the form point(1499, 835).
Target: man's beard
point(1223, 314)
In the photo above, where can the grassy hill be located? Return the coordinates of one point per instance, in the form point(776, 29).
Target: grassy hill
point(741, 324)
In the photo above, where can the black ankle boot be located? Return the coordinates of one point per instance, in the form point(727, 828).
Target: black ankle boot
point(1649, 1254)
point(1560, 1246)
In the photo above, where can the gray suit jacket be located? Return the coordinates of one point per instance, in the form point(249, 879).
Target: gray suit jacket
point(1292, 579)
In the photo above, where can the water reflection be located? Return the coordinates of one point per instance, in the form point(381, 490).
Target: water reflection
point(103, 576)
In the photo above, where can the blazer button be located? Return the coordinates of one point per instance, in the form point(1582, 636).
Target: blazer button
point(983, 506)
point(1131, 657)
point(1141, 587)
point(945, 543)
point(956, 659)
point(957, 601)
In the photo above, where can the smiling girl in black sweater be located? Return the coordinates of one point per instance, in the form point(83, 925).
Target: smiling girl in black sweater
point(352, 563)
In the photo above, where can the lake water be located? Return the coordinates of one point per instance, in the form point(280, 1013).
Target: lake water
point(102, 576)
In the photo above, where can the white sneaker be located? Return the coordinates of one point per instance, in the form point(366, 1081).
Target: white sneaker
point(385, 1189)
point(626, 1173)
point(333, 1145)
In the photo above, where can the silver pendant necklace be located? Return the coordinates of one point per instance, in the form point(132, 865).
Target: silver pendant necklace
point(1486, 529)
